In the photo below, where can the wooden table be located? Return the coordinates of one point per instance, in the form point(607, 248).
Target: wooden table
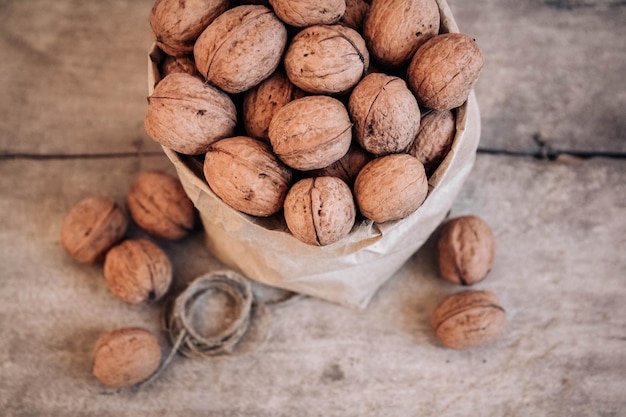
point(550, 179)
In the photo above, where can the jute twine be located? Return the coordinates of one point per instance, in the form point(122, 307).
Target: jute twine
point(248, 329)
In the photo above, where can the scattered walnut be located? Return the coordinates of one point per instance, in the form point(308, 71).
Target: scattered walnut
point(187, 115)
point(302, 13)
point(385, 114)
point(444, 70)
point(158, 204)
point(469, 319)
point(320, 211)
point(126, 356)
point(137, 270)
point(395, 29)
point(391, 187)
point(466, 250)
point(91, 228)
point(241, 48)
point(247, 176)
point(326, 59)
point(176, 24)
point(311, 132)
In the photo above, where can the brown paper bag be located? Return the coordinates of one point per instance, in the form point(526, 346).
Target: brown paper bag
point(348, 272)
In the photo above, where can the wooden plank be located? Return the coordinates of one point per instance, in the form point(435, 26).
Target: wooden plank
point(74, 76)
point(559, 272)
point(553, 75)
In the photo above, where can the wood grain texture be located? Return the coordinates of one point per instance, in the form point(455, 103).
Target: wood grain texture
point(75, 82)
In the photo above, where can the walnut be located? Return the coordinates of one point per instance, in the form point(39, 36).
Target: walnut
point(326, 59)
point(395, 29)
point(391, 187)
point(385, 114)
point(355, 13)
point(466, 250)
point(261, 103)
point(241, 48)
point(302, 13)
point(247, 176)
point(311, 132)
point(444, 70)
point(469, 319)
point(176, 24)
point(137, 270)
point(91, 228)
point(158, 204)
point(347, 167)
point(434, 139)
point(126, 356)
point(184, 63)
point(187, 115)
point(320, 211)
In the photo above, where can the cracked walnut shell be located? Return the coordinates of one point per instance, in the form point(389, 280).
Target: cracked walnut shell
point(326, 59)
point(247, 176)
point(391, 187)
point(91, 228)
point(469, 319)
point(466, 249)
point(241, 48)
point(311, 132)
point(444, 70)
point(385, 113)
point(126, 356)
point(137, 270)
point(187, 115)
point(320, 211)
point(158, 204)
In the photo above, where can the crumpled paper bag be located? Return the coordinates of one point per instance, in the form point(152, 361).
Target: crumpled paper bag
point(350, 271)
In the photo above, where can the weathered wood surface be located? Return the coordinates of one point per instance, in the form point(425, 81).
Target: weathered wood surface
point(559, 271)
point(73, 82)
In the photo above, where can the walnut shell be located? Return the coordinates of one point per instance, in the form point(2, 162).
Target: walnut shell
point(466, 250)
point(157, 202)
point(311, 132)
point(434, 139)
point(469, 319)
point(261, 103)
point(355, 13)
point(320, 211)
point(395, 29)
point(391, 187)
point(347, 167)
point(444, 70)
point(302, 13)
point(126, 356)
point(326, 59)
point(247, 176)
point(174, 64)
point(241, 48)
point(385, 114)
point(91, 228)
point(137, 270)
point(187, 115)
point(176, 24)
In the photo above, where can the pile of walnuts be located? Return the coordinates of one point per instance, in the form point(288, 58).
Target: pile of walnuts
point(324, 110)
